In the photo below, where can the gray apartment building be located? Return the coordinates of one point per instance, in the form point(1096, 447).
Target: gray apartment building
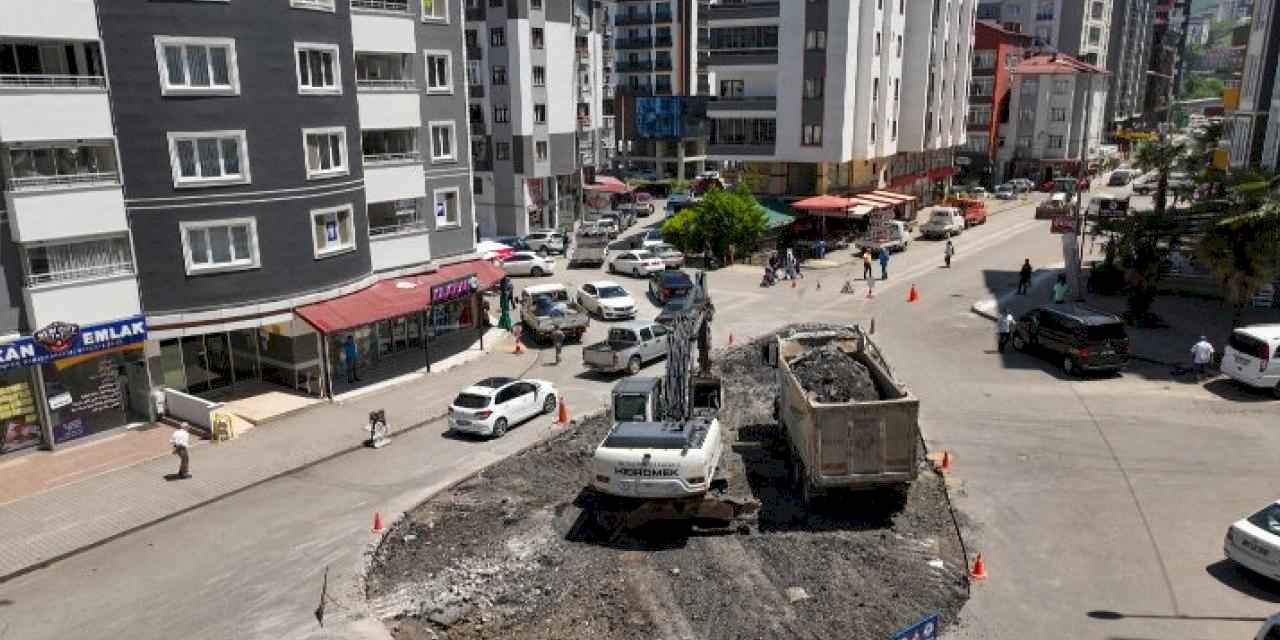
point(1128, 58)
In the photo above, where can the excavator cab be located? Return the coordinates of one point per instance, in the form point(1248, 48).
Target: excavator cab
point(705, 400)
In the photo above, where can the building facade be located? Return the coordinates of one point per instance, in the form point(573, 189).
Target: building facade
point(1247, 127)
point(535, 76)
point(1166, 58)
point(1051, 129)
point(1079, 28)
point(1128, 57)
point(996, 52)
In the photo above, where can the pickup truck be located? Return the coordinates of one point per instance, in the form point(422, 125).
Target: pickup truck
point(943, 222)
point(888, 235)
point(629, 347)
point(545, 307)
point(588, 247)
point(853, 444)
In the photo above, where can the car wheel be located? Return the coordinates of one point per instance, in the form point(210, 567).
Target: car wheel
point(500, 428)
point(536, 272)
point(1019, 342)
point(1069, 365)
point(550, 405)
point(635, 272)
point(1276, 391)
point(633, 365)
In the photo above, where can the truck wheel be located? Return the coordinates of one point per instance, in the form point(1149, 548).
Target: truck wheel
point(633, 365)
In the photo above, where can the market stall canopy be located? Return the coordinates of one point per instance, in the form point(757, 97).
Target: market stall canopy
point(893, 195)
point(396, 297)
point(823, 203)
point(775, 219)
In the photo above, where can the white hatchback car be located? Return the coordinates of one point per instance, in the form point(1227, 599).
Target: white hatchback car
point(528, 263)
point(493, 405)
point(1252, 357)
point(638, 262)
point(1254, 542)
point(607, 299)
point(669, 255)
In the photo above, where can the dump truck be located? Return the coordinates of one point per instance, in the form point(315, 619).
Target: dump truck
point(838, 443)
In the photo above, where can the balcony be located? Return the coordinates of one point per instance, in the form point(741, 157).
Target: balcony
point(639, 17)
point(584, 123)
point(386, 180)
point(634, 66)
point(662, 41)
point(639, 42)
point(101, 294)
point(383, 25)
point(398, 245)
point(52, 90)
point(69, 19)
point(387, 6)
point(475, 91)
point(389, 110)
point(54, 192)
point(662, 16)
point(741, 11)
point(662, 64)
point(742, 57)
point(743, 103)
point(384, 72)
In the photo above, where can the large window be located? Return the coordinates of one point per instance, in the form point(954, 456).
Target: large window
point(815, 39)
point(1055, 142)
point(446, 207)
point(811, 135)
point(333, 230)
point(389, 145)
point(439, 71)
point(498, 37)
point(539, 76)
point(326, 151)
point(43, 166)
point(981, 87)
point(748, 131)
point(979, 116)
point(394, 216)
point(384, 71)
point(442, 142)
point(984, 59)
point(220, 245)
point(71, 261)
point(437, 10)
point(745, 38)
point(318, 68)
point(197, 65)
point(209, 158)
point(501, 114)
point(499, 75)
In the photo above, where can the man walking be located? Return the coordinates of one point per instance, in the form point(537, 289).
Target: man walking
point(1060, 290)
point(947, 252)
point(557, 339)
point(866, 265)
point(352, 354)
point(884, 264)
point(1201, 355)
point(1024, 277)
point(1004, 330)
point(181, 440)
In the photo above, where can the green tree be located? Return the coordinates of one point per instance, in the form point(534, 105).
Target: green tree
point(722, 223)
point(1242, 251)
point(1161, 156)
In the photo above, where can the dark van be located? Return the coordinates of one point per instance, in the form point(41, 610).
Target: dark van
point(1083, 339)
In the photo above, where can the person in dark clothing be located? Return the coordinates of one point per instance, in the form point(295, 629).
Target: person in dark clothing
point(557, 340)
point(1024, 277)
point(353, 355)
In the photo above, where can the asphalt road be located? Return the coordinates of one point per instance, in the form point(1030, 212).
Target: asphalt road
point(1084, 495)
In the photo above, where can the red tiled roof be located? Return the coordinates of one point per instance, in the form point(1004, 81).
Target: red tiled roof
point(1055, 63)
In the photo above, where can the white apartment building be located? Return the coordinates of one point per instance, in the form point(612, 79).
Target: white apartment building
point(1051, 127)
point(816, 97)
point(1253, 129)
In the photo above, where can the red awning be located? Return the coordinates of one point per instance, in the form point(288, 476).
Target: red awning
point(874, 203)
point(824, 203)
point(904, 180)
point(893, 195)
point(608, 184)
point(877, 200)
point(393, 297)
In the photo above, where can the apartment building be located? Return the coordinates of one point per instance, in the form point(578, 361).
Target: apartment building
point(827, 95)
point(1128, 57)
point(996, 53)
point(1165, 62)
point(535, 75)
point(202, 196)
point(1051, 128)
point(655, 52)
point(1079, 28)
point(1249, 126)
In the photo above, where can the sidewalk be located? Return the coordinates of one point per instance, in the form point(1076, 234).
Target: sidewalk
point(49, 525)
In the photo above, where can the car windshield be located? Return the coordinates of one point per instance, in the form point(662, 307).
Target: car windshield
point(941, 216)
point(676, 279)
point(1108, 331)
point(1268, 519)
point(471, 401)
point(611, 292)
point(630, 408)
point(653, 234)
point(643, 255)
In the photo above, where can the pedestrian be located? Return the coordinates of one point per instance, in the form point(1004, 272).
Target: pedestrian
point(1004, 329)
point(822, 248)
point(866, 265)
point(947, 252)
point(1201, 355)
point(1060, 289)
point(557, 339)
point(1024, 277)
point(181, 441)
point(352, 354)
point(884, 264)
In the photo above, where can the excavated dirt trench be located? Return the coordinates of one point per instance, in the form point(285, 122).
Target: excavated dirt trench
point(508, 553)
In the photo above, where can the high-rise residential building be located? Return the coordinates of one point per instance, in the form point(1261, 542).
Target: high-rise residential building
point(204, 196)
point(655, 52)
point(1165, 60)
point(1258, 115)
point(1233, 10)
point(535, 74)
point(839, 96)
point(1079, 28)
point(996, 53)
point(1128, 57)
point(1052, 128)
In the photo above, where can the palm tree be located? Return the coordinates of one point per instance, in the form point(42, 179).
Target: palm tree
point(1160, 156)
point(1242, 252)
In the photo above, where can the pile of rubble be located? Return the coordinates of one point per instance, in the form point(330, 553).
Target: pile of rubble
point(832, 375)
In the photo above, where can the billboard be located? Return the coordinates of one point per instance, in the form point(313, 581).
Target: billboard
point(670, 117)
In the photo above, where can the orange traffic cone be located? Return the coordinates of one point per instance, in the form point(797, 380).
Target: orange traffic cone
point(563, 418)
point(913, 295)
point(519, 347)
point(377, 522)
point(793, 284)
point(946, 462)
point(979, 571)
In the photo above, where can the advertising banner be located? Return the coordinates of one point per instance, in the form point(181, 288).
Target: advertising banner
point(64, 339)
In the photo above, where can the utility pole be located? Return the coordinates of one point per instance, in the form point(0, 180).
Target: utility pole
point(1076, 265)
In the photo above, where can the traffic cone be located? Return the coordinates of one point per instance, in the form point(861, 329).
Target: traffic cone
point(563, 418)
point(731, 339)
point(377, 522)
point(793, 284)
point(519, 347)
point(979, 571)
point(946, 462)
point(913, 295)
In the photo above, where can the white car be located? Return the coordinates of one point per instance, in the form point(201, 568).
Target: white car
point(490, 250)
point(1254, 542)
point(636, 262)
point(493, 405)
point(1252, 357)
point(528, 263)
point(607, 299)
point(669, 255)
point(545, 242)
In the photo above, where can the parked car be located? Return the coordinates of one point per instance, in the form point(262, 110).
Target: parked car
point(649, 239)
point(976, 189)
point(493, 405)
point(1270, 629)
point(619, 220)
point(515, 242)
point(606, 299)
point(670, 256)
point(1253, 542)
point(629, 347)
point(1252, 357)
point(528, 263)
point(1146, 183)
point(1085, 339)
point(608, 226)
point(1005, 192)
point(655, 189)
point(889, 235)
point(545, 242)
point(668, 284)
point(1021, 185)
point(679, 200)
point(638, 205)
point(1120, 177)
point(491, 250)
point(637, 262)
point(546, 307)
point(943, 222)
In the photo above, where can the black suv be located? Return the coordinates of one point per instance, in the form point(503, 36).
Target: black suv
point(1085, 339)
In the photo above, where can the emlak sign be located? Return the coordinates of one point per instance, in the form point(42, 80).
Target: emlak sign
point(64, 339)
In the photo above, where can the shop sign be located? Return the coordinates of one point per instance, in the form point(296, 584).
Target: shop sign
point(63, 339)
point(925, 629)
point(454, 289)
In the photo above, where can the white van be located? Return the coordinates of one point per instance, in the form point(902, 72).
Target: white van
point(1270, 629)
point(1252, 357)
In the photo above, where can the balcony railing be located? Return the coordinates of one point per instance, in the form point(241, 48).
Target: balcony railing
point(662, 41)
point(744, 103)
point(52, 81)
point(44, 182)
point(584, 122)
point(384, 158)
point(81, 273)
point(396, 6)
point(623, 19)
point(741, 11)
point(662, 64)
point(638, 66)
point(721, 57)
point(405, 84)
point(388, 229)
point(662, 16)
point(640, 42)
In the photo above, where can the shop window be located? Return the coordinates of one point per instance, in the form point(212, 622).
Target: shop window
point(333, 230)
point(91, 394)
point(19, 420)
point(446, 207)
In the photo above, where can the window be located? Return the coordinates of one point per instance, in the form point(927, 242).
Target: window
point(209, 158)
point(540, 150)
point(495, 3)
point(318, 68)
point(539, 76)
point(388, 145)
point(498, 37)
point(78, 260)
point(1058, 114)
point(979, 115)
point(394, 216)
point(446, 207)
point(197, 66)
point(732, 88)
point(873, 132)
point(220, 245)
point(334, 230)
point(899, 46)
point(35, 165)
point(435, 10)
point(442, 149)
point(326, 151)
point(875, 89)
point(498, 74)
point(475, 75)
point(477, 185)
point(1095, 35)
point(1097, 10)
point(811, 135)
point(877, 50)
point(1055, 142)
point(536, 5)
point(813, 87)
point(984, 59)
point(981, 87)
point(1045, 11)
point(536, 35)
point(439, 71)
point(316, 5)
point(815, 39)
point(1024, 142)
point(1060, 85)
point(502, 151)
point(539, 114)
point(501, 114)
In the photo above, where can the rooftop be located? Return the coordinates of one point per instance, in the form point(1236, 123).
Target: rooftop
point(1055, 63)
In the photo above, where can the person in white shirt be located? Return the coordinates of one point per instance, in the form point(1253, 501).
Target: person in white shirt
point(1004, 329)
point(1201, 355)
point(181, 440)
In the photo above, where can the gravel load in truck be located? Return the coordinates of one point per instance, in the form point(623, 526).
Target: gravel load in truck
point(832, 375)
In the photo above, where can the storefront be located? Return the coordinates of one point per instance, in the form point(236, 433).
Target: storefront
point(285, 353)
point(68, 381)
